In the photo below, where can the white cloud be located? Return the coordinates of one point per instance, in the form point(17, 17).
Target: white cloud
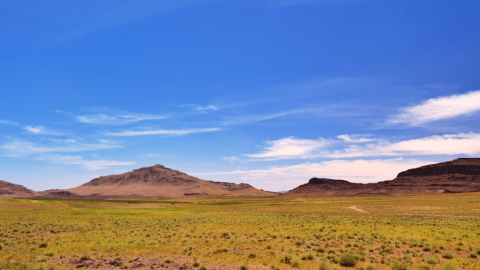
point(449, 144)
point(6, 122)
point(209, 107)
point(250, 119)
point(360, 171)
point(122, 119)
point(354, 138)
point(35, 130)
point(438, 108)
point(24, 148)
point(230, 159)
point(290, 147)
point(88, 164)
point(172, 132)
point(42, 130)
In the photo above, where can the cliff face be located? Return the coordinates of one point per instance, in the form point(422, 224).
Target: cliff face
point(460, 175)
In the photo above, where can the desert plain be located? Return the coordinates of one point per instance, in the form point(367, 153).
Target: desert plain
point(157, 218)
point(440, 231)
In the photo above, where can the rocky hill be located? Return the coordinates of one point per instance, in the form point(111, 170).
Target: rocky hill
point(459, 175)
point(9, 190)
point(159, 181)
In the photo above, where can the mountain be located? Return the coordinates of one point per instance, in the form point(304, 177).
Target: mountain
point(157, 181)
point(9, 190)
point(459, 175)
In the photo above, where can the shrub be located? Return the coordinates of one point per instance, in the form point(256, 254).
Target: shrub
point(473, 255)
point(243, 267)
point(252, 256)
point(287, 259)
point(370, 267)
point(447, 256)
point(398, 266)
point(347, 260)
point(195, 263)
point(424, 266)
point(432, 260)
point(41, 266)
point(449, 267)
point(43, 245)
point(203, 267)
point(42, 259)
point(84, 258)
point(296, 264)
point(323, 266)
point(168, 260)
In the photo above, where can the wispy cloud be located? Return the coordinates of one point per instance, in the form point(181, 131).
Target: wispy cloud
point(206, 108)
point(292, 148)
point(121, 119)
point(449, 144)
point(42, 130)
point(354, 138)
point(171, 132)
point(250, 119)
point(20, 148)
point(288, 148)
point(88, 164)
point(438, 109)
point(6, 122)
point(363, 171)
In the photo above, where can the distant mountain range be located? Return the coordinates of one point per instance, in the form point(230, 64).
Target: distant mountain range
point(459, 175)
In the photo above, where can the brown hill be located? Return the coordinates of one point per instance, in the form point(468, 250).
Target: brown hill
point(9, 190)
point(459, 175)
point(158, 181)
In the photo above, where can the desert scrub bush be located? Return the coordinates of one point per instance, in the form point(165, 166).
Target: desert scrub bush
point(203, 267)
point(42, 258)
point(323, 265)
point(168, 260)
point(398, 266)
point(423, 266)
point(296, 264)
point(449, 267)
point(347, 260)
point(447, 256)
point(432, 260)
point(84, 258)
point(286, 259)
point(473, 255)
point(408, 258)
point(220, 250)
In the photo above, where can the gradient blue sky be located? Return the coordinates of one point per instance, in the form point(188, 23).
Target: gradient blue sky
point(266, 92)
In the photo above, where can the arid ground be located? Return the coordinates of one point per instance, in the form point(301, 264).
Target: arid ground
point(439, 231)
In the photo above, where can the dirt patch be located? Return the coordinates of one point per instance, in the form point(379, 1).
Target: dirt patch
point(148, 262)
point(357, 209)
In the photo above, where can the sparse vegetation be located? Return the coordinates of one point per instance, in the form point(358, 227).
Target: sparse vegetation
point(401, 232)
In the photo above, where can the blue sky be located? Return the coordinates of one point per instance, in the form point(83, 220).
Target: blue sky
point(269, 92)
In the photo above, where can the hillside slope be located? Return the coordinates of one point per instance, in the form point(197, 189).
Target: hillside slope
point(459, 175)
point(9, 190)
point(159, 181)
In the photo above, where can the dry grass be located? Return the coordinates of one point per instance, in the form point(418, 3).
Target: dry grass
point(398, 232)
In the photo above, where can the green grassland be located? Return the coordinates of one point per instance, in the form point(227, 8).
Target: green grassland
point(372, 232)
